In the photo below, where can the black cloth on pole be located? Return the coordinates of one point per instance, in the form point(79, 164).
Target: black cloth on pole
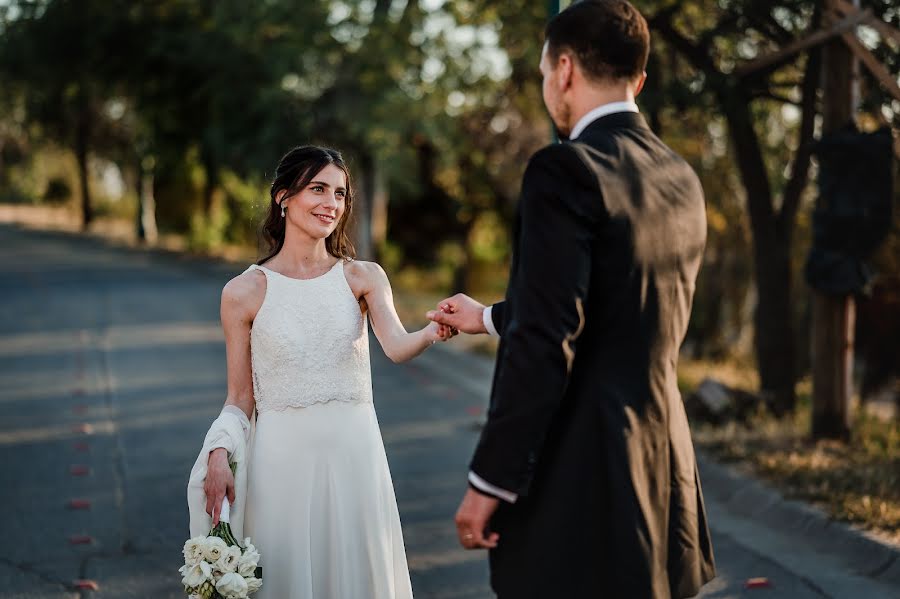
point(853, 211)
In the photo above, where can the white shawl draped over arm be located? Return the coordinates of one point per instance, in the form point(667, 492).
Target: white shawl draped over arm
point(233, 431)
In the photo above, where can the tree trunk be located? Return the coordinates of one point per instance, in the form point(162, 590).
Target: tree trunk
point(82, 130)
point(833, 317)
point(146, 217)
point(774, 341)
point(363, 207)
point(462, 272)
point(212, 182)
point(774, 335)
point(379, 211)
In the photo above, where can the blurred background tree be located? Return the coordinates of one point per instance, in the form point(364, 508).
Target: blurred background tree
point(172, 114)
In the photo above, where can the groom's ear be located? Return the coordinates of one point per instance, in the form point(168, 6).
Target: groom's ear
point(565, 69)
point(640, 83)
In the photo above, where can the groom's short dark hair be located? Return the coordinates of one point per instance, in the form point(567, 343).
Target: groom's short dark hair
point(609, 38)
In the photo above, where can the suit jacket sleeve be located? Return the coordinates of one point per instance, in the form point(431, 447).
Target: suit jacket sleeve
point(546, 296)
point(497, 316)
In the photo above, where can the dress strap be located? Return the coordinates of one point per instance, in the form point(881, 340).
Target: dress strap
point(261, 269)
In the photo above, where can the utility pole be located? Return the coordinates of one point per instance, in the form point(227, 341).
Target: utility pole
point(834, 317)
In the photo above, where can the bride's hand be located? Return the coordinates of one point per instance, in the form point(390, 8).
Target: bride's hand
point(219, 481)
point(438, 332)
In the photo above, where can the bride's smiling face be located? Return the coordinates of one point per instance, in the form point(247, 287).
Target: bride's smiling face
point(318, 208)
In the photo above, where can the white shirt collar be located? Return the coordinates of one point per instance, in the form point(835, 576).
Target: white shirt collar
point(600, 111)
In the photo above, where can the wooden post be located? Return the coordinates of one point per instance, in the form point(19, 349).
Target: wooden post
point(833, 318)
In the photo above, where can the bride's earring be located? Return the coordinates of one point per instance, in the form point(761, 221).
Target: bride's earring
point(282, 210)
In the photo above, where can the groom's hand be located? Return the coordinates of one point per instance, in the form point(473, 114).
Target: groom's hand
point(472, 519)
point(460, 312)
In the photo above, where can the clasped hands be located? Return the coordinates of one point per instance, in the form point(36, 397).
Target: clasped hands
point(462, 313)
point(456, 314)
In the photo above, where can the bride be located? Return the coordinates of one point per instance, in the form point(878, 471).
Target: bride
point(320, 502)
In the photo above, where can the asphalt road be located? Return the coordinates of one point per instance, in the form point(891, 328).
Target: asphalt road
point(112, 366)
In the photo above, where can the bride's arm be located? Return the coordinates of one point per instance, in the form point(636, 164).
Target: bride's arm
point(241, 298)
point(371, 283)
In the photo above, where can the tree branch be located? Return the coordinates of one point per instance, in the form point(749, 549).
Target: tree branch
point(877, 69)
point(886, 30)
point(800, 167)
point(695, 54)
point(770, 95)
point(726, 21)
point(770, 62)
point(769, 27)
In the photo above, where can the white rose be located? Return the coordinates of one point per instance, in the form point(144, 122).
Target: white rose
point(194, 576)
point(248, 562)
point(193, 550)
point(253, 584)
point(228, 562)
point(213, 549)
point(232, 586)
point(250, 548)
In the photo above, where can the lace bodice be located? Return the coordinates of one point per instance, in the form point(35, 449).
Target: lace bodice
point(309, 342)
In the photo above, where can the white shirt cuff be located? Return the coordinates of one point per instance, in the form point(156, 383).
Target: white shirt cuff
point(490, 489)
point(489, 322)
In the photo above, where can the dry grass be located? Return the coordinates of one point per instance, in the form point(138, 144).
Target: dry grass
point(856, 482)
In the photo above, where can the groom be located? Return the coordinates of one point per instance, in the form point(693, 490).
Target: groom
point(584, 482)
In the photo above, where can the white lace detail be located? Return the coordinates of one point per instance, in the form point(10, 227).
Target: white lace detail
point(309, 342)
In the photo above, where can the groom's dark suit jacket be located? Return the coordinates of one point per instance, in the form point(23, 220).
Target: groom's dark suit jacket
point(586, 423)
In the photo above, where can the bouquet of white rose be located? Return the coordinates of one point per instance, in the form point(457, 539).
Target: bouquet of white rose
point(218, 567)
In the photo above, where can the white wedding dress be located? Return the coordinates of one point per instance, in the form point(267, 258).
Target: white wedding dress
point(320, 502)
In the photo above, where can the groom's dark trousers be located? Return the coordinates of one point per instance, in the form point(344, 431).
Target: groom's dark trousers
point(586, 423)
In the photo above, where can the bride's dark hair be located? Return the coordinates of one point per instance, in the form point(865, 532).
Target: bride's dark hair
point(294, 172)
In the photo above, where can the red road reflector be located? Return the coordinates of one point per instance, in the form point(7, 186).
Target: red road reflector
point(79, 504)
point(81, 540)
point(79, 470)
point(84, 428)
point(757, 583)
point(85, 585)
point(81, 446)
point(474, 411)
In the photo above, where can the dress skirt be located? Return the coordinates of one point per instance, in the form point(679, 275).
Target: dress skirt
point(321, 507)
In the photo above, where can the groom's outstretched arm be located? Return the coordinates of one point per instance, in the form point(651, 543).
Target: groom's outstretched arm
point(547, 292)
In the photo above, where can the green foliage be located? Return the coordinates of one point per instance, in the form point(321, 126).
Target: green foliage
point(440, 100)
point(246, 200)
point(207, 231)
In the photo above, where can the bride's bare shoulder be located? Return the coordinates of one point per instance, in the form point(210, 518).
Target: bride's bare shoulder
point(243, 295)
point(364, 274)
